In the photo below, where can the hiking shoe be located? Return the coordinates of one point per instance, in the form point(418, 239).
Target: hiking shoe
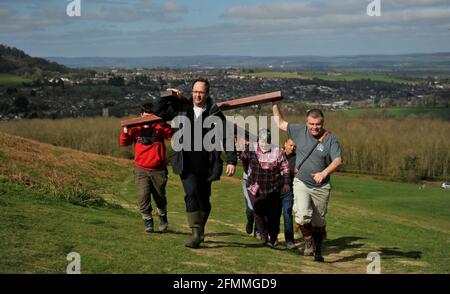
point(318, 258)
point(273, 243)
point(163, 223)
point(264, 240)
point(148, 223)
point(309, 246)
point(290, 245)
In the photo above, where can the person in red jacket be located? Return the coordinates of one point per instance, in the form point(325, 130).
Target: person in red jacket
point(150, 171)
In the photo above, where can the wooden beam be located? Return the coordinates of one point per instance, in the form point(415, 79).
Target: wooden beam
point(151, 118)
point(251, 100)
point(225, 105)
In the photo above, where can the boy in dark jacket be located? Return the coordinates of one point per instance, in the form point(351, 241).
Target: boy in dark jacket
point(150, 171)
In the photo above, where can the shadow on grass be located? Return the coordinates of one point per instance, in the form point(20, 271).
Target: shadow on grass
point(394, 252)
point(170, 231)
point(222, 234)
point(345, 243)
point(221, 244)
point(342, 243)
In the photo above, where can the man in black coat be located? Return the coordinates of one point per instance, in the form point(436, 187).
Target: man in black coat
point(197, 164)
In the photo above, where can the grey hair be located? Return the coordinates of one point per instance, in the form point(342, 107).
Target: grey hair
point(264, 134)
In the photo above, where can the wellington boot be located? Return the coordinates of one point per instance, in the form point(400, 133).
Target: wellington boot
point(196, 224)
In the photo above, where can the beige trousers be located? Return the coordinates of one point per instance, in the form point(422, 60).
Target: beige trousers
point(310, 204)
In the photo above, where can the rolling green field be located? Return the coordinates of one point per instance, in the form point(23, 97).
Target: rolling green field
point(408, 224)
point(338, 76)
point(377, 143)
point(11, 80)
point(401, 112)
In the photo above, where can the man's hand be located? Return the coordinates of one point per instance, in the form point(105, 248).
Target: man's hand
point(319, 177)
point(177, 92)
point(278, 117)
point(286, 189)
point(231, 169)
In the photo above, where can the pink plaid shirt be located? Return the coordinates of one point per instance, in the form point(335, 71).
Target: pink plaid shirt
point(267, 171)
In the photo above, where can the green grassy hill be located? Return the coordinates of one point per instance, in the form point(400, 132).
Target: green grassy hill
point(335, 76)
point(401, 112)
point(55, 200)
point(12, 80)
point(17, 62)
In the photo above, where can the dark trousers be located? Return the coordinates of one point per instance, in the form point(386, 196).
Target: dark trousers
point(197, 192)
point(287, 201)
point(249, 207)
point(151, 183)
point(267, 215)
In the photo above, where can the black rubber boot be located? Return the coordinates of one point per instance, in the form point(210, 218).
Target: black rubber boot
point(205, 215)
point(195, 223)
point(318, 234)
point(250, 221)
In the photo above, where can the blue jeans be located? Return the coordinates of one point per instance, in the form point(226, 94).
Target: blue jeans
point(287, 201)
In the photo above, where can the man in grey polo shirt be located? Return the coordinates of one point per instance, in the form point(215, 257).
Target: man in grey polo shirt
point(319, 155)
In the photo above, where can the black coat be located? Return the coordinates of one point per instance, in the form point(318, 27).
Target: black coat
point(168, 108)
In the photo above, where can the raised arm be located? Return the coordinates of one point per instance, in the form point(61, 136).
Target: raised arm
point(281, 123)
point(127, 137)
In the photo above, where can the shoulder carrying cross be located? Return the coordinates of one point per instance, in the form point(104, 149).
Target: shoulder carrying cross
point(224, 105)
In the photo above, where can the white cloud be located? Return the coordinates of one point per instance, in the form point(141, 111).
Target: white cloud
point(343, 14)
point(171, 6)
point(277, 10)
point(167, 11)
point(292, 10)
point(296, 9)
point(43, 17)
point(5, 12)
point(412, 3)
point(38, 15)
point(320, 27)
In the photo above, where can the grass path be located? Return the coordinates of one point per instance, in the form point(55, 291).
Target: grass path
point(408, 226)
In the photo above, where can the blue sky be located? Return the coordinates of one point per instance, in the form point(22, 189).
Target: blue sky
point(119, 28)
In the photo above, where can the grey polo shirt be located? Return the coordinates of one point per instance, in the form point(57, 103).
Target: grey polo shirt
point(324, 153)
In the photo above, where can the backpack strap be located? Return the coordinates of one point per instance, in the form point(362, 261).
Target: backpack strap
point(312, 150)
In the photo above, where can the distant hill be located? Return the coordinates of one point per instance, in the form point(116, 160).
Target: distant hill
point(437, 62)
point(17, 62)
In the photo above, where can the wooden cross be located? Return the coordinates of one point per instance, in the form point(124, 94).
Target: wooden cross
point(225, 105)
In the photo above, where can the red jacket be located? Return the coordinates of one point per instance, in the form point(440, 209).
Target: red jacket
point(151, 156)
